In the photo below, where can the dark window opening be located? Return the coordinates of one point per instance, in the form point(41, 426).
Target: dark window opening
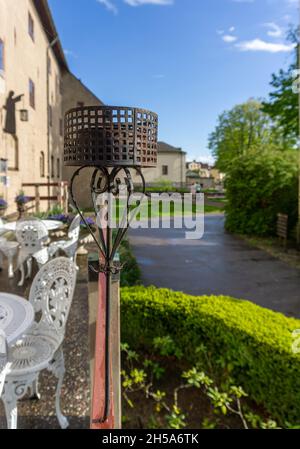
point(52, 167)
point(31, 94)
point(165, 170)
point(42, 164)
point(58, 167)
point(30, 26)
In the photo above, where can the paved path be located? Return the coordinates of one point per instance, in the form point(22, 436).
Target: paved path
point(217, 264)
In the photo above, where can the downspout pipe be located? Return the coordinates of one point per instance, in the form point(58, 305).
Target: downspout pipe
point(50, 46)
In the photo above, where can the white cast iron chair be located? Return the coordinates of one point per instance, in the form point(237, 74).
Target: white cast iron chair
point(31, 235)
point(40, 348)
point(7, 249)
point(69, 247)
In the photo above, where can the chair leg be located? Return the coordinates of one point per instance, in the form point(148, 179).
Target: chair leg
point(22, 270)
point(11, 412)
point(29, 268)
point(34, 390)
point(10, 266)
point(1, 260)
point(58, 369)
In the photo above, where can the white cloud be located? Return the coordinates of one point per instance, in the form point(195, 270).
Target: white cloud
point(274, 29)
point(110, 6)
point(229, 38)
point(149, 2)
point(70, 53)
point(260, 45)
point(231, 29)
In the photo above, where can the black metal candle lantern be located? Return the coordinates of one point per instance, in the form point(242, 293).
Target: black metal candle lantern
point(24, 115)
point(111, 140)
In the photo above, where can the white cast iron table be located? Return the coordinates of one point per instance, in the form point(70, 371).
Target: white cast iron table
point(51, 225)
point(16, 316)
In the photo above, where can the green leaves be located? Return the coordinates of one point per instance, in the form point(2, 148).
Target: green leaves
point(283, 105)
point(219, 335)
point(196, 378)
point(258, 187)
point(166, 346)
point(239, 131)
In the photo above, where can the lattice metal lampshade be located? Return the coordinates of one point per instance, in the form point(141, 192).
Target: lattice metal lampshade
point(110, 136)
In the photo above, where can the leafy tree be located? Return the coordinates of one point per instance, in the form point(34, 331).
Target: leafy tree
point(260, 185)
point(239, 130)
point(283, 104)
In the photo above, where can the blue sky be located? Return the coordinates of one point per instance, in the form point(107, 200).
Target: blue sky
point(187, 60)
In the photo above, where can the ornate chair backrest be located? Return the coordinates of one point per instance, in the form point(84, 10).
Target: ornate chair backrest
point(74, 229)
point(51, 296)
point(31, 233)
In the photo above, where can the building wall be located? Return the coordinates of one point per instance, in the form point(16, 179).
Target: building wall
point(75, 93)
point(26, 59)
point(175, 161)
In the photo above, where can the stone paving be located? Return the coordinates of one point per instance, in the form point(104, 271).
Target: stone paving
point(76, 389)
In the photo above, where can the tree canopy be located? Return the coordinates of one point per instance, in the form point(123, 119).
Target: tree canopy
point(283, 104)
point(244, 127)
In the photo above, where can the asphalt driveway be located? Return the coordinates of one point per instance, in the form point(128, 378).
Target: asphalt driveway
point(219, 263)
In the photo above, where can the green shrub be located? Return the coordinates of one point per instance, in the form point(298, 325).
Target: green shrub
point(253, 343)
point(260, 185)
point(131, 273)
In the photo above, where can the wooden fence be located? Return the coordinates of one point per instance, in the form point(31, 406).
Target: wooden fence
point(59, 195)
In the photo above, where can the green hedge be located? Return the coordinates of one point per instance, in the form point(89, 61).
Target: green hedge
point(255, 342)
point(131, 272)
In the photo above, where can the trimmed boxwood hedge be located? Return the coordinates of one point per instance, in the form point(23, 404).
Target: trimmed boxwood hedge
point(255, 342)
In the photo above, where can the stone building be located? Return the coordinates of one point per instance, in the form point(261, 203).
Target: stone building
point(32, 64)
point(171, 166)
point(76, 94)
point(36, 88)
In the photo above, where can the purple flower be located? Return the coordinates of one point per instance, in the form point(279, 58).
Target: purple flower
point(60, 217)
point(89, 221)
point(22, 199)
point(3, 204)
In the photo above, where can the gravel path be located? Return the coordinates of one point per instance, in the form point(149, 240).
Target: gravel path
point(76, 390)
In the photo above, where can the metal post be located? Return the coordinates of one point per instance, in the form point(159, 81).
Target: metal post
point(111, 140)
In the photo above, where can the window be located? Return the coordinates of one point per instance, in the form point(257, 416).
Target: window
point(52, 167)
point(165, 170)
point(58, 167)
point(49, 65)
point(1, 57)
point(50, 116)
point(61, 127)
point(42, 164)
point(31, 94)
point(30, 26)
